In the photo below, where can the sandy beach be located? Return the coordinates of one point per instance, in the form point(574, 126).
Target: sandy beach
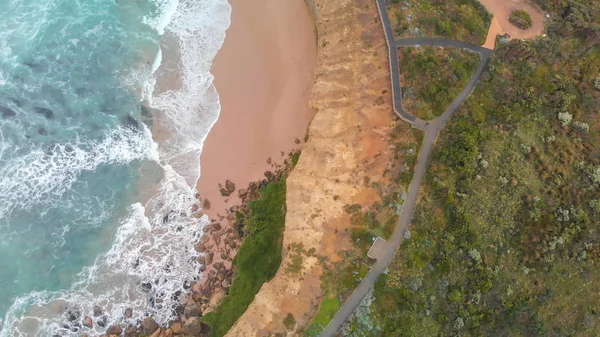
point(263, 74)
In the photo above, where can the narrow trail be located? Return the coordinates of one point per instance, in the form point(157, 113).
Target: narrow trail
point(431, 129)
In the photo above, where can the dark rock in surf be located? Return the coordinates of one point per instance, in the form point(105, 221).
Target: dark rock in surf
point(7, 113)
point(97, 311)
point(145, 111)
point(16, 102)
point(147, 287)
point(44, 112)
point(128, 313)
point(131, 122)
point(87, 322)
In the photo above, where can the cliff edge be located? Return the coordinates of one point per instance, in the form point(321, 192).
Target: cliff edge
point(347, 151)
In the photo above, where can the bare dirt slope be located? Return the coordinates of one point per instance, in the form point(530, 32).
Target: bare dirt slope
point(348, 141)
point(501, 10)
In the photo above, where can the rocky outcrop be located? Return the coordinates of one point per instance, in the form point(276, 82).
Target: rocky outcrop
point(348, 141)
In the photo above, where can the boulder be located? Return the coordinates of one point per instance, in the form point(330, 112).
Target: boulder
point(269, 175)
point(131, 331)
point(224, 192)
point(87, 321)
point(215, 226)
point(176, 327)
point(192, 326)
point(97, 311)
point(156, 333)
point(229, 186)
point(226, 284)
point(128, 313)
point(218, 265)
point(199, 247)
point(114, 330)
point(149, 325)
point(297, 141)
point(206, 204)
point(167, 333)
point(208, 258)
point(192, 309)
point(242, 193)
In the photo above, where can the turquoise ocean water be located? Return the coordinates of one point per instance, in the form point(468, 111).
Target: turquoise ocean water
point(94, 214)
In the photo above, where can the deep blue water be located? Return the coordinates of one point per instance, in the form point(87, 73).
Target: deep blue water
point(75, 139)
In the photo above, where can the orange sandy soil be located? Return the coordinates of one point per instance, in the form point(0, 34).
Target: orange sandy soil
point(348, 142)
point(501, 10)
point(263, 74)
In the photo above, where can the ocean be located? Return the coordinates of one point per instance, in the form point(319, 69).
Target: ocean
point(104, 107)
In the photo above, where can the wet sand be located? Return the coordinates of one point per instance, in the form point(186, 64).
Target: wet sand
point(263, 74)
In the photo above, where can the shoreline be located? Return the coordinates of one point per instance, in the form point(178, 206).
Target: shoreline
point(264, 79)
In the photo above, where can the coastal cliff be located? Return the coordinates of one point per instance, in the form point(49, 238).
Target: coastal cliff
point(346, 154)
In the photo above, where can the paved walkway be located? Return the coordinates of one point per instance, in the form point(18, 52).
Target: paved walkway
point(431, 129)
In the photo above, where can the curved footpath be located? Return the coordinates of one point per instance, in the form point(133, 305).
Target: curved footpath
point(431, 129)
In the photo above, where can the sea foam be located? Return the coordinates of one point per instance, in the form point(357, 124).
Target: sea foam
point(151, 262)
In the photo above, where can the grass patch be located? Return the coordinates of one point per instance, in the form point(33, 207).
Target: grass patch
point(432, 77)
point(295, 157)
point(329, 307)
point(289, 321)
point(463, 20)
point(258, 259)
point(520, 18)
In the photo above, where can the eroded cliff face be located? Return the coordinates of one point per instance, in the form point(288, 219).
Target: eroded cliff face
point(348, 141)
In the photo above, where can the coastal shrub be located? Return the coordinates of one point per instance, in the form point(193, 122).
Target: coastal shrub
point(513, 244)
point(289, 322)
point(434, 76)
point(520, 18)
point(258, 258)
point(463, 20)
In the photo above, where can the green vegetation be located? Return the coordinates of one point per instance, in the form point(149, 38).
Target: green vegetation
point(505, 238)
point(432, 77)
point(329, 307)
point(258, 258)
point(289, 321)
point(295, 266)
point(520, 18)
point(464, 20)
point(341, 278)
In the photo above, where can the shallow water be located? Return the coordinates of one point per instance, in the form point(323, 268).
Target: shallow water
point(92, 207)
